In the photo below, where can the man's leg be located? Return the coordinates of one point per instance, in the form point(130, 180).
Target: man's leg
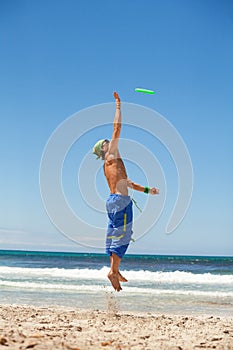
point(124, 248)
point(120, 277)
point(114, 271)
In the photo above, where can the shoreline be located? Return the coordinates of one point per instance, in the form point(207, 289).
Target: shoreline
point(61, 328)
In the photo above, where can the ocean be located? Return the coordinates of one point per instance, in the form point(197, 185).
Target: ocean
point(156, 283)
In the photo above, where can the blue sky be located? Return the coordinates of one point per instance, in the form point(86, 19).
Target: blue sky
point(60, 57)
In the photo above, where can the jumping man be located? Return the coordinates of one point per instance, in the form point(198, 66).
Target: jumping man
point(119, 204)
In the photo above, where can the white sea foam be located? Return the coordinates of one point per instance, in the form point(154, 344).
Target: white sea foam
point(176, 277)
point(93, 288)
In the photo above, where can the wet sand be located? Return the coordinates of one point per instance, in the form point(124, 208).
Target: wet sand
point(55, 328)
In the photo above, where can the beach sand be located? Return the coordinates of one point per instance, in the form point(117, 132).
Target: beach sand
point(28, 327)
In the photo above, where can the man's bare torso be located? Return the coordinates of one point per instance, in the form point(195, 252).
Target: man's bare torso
point(115, 172)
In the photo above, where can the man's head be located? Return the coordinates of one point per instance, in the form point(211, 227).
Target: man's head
point(100, 148)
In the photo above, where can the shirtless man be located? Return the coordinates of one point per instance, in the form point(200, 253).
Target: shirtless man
point(119, 204)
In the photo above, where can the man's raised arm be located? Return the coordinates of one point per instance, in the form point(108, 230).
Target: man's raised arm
point(113, 146)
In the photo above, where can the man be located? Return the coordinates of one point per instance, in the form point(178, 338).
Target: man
point(119, 204)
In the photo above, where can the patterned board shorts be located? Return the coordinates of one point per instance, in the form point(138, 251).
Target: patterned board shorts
point(120, 215)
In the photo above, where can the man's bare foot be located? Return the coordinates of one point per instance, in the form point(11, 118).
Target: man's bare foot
point(113, 277)
point(121, 278)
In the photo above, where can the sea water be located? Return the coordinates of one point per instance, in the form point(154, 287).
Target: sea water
point(156, 284)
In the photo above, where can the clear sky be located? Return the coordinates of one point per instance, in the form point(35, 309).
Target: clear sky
point(61, 57)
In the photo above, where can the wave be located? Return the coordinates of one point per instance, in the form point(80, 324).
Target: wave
point(100, 288)
point(176, 277)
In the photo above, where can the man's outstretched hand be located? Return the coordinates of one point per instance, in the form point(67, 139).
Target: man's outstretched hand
point(154, 190)
point(116, 96)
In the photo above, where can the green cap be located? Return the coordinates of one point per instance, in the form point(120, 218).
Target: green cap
point(98, 148)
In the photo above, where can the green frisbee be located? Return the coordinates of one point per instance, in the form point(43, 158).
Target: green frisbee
point(145, 91)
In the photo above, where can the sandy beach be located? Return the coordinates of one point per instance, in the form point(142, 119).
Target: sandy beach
point(27, 327)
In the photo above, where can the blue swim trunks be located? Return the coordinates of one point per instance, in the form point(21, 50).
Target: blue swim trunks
point(120, 215)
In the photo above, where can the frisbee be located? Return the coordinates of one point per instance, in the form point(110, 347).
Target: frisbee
point(145, 91)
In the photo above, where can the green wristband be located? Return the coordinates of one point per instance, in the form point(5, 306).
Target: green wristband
point(146, 189)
